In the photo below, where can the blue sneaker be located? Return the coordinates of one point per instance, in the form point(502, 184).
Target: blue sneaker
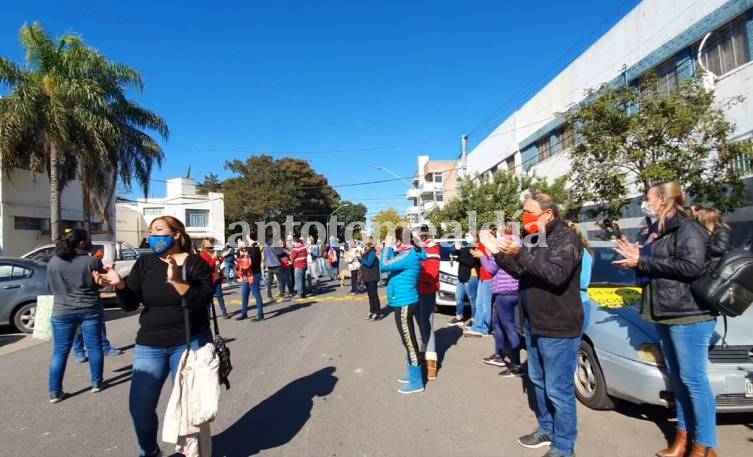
point(415, 381)
point(81, 358)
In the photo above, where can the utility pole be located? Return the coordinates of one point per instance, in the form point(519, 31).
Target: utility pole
point(464, 153)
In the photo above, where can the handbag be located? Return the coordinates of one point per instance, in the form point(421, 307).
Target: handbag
point(43, 318)
point(728, 288)
point(220, 348)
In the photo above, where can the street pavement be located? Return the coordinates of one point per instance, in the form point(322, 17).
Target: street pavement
point(316, 379)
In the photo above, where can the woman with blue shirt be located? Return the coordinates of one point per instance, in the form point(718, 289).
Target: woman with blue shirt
point(401, 261)
point(585, 274)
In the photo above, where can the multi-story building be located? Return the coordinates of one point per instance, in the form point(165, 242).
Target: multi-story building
point(663, 36)
point(434, 183)
point(25, 212)
point(203, 215)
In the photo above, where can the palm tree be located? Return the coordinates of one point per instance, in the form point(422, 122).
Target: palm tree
point(67, 111)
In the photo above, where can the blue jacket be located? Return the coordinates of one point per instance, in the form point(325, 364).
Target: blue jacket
point(585, 275)
point(403, 270)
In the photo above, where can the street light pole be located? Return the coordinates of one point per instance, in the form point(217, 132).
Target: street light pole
point(338, 208)
point(393, 174)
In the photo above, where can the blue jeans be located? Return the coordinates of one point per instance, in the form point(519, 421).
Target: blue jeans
point(254, 288)
point(78, 343)
point(300, 281)
point(466, 288)
point(504, 326)
point(219, 297)
point(151, 365)
point(64, 328)
point(685, 349)
point(551, 369)
point(426, 305)
point(482, 318)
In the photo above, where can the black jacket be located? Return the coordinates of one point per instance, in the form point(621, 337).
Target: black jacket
point(671, 263)
point(465, 262)
point(370, 274)
point(255, 253)
point(720, 243)
point(550, 282)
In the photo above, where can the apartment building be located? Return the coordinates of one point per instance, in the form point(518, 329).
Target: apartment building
point(434, 183)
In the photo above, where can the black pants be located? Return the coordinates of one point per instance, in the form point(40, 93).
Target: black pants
point(371, 289)
point(404, 320)
point(353, 281)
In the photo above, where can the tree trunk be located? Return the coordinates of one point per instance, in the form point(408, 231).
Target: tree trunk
point(86, 206)
point(54, 191)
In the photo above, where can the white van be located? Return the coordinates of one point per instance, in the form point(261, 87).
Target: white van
point(448, 272)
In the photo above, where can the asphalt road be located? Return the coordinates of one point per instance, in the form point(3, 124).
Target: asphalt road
point(316, 379)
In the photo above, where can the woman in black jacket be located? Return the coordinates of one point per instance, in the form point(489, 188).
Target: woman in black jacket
point(156, 280)
point(677, 255)
point(721, 239)
point(371, 274)
point(468, 271)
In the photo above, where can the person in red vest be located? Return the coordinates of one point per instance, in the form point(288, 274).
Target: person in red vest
point(298, 256)
point(428, 285)
point(210, 257)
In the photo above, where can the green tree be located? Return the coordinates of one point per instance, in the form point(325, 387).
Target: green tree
point(354, 212)
point(211, 183)
point(67, 109)
point(386, 217)
point(631, 137)
point(265, 189)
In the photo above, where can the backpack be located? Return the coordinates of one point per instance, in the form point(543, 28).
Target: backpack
point(331, 256)
point(728, 288)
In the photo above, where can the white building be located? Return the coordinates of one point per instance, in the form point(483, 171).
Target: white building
point(657, 35)
point(25, 212)
point(204, 215)
point(434, 183)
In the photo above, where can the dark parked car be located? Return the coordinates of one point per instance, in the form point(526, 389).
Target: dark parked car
point(21, 281)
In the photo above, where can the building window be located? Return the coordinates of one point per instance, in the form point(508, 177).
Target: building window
point(27, 223)
point(197, 217)
point(667, 76)
point(545, 149)
point(530, 156)
point(153, 212)
point(727, 48)
point(511, 165)
point(438, 178)
point(566, 138)
point(439, 196)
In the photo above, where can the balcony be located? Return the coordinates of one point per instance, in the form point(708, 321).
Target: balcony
point(413, 193)
point(415, 209)
point(427, 187)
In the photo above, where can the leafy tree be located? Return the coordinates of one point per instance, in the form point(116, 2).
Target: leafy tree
point(389, 216)
point(354, 212)
point(486, 197)
point(631, 137)
point(211, 183)
point(67, 109)
point(265, 189)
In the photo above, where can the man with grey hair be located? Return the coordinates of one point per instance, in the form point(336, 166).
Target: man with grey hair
point(548, 268)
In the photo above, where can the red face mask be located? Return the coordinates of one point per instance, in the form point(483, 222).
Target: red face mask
point(530, 224)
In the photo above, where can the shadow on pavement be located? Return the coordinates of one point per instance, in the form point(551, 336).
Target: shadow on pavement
point(659, 415)
point(288, 309)
point(12, 338)
point(276, 420)
point(446, 337)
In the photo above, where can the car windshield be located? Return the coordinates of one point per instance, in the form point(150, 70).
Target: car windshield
point(605, 274)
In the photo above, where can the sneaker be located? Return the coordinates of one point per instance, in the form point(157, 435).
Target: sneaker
point(113, 352)
point(257, 319)
point(468, 323)
point(534, 440)
point(553, 453)
point(472, 334)
point(512, 372)
point(495, 360)
point(370, 317)
point(98, 388)
point(407, 389)
point(81, 358)
point(377, 317)
point(241, 317)
point(157, 453)
point(455, 321)
point(403, 380)
point(56, 397)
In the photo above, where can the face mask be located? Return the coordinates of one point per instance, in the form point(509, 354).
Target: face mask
point(647, 211)
point(160, 244)
point(530, 222)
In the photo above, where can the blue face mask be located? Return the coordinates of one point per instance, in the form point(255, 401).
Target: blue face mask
point(160, 244)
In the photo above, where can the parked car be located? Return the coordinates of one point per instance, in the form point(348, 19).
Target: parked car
point(620, 358)
point(448, 272)
point(21, 281)
point(120, 253)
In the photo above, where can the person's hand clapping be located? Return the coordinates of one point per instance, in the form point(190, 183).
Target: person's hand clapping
point(173, 270)
point(630, 251)
point(486, 238)
point(389, 241)
point(110, 277)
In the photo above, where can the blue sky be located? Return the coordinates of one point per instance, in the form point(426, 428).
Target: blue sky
point(347, 85)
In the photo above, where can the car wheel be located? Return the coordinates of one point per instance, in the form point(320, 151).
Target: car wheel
point(23, 318)
point(590, 387)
